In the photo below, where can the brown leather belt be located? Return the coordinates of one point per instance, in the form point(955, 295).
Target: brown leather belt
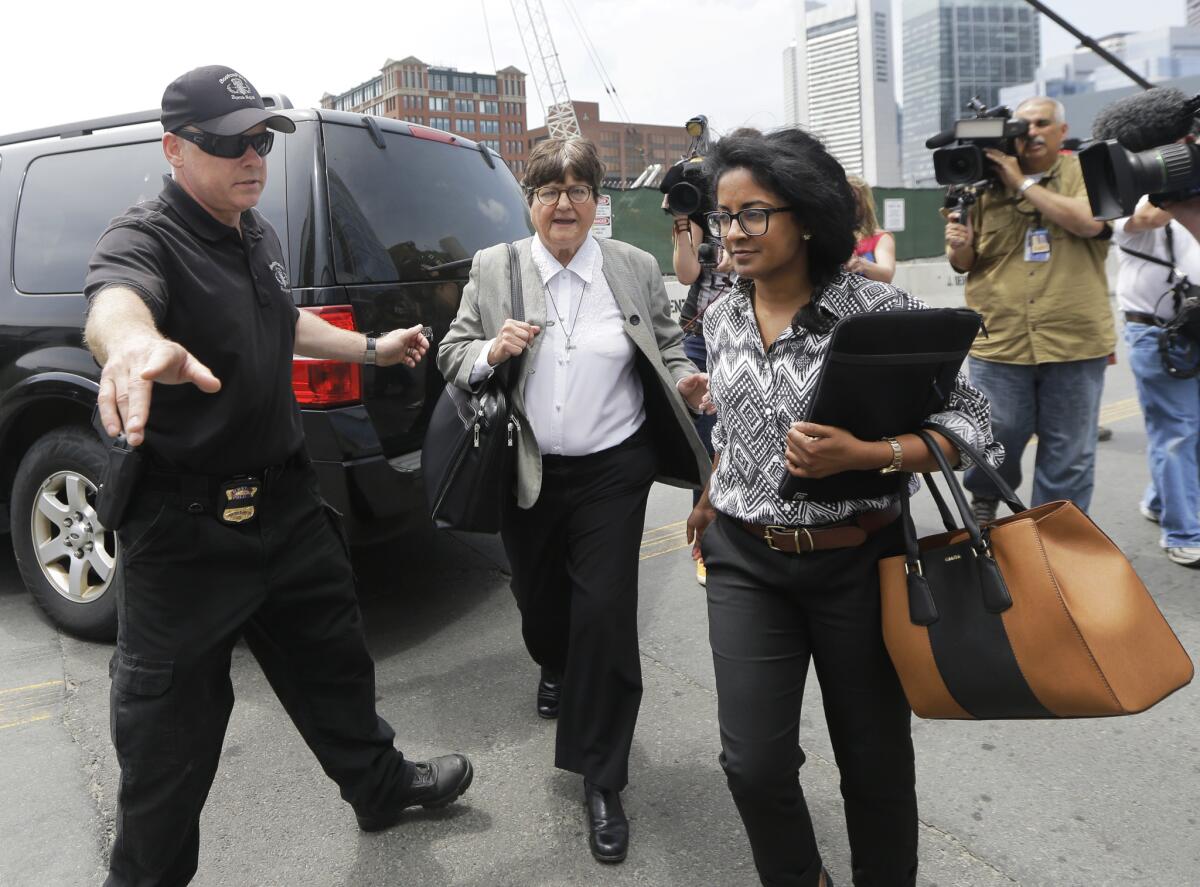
point(843, 534)
point(1140, 317)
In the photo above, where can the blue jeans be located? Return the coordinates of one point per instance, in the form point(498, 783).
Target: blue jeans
point(693, 347)
point(1060, 403)
point(1172, 411)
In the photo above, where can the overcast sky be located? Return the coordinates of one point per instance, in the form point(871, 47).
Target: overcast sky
point(65, 61)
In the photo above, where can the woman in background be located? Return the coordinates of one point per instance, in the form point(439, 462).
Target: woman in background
point(875, 251)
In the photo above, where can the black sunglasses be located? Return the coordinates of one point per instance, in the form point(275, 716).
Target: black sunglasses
point(229, 146)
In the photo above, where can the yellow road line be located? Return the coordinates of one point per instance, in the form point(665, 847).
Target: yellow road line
point(21, 723)
point(28, 687)
point(1120, 409)
point(665, 532)
point(680, 547)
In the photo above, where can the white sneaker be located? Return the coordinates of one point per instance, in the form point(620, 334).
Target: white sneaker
point(1149, 513)
point(1186, 556)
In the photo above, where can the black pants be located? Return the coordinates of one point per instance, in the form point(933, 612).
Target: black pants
point(192, 587)
point(769, 613)
point(574, 558)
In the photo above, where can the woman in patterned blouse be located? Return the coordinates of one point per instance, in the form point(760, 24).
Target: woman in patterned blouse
point(793, 580)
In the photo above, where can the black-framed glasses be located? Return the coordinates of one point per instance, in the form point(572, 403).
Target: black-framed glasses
point(229, 147)
point(576, 194)
point(753, 221)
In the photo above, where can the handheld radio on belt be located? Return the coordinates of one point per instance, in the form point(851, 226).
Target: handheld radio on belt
point(1182, 331)
point(121, 476)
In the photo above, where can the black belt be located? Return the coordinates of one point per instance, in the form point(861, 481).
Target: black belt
point(1142, 317)
point(203, 492)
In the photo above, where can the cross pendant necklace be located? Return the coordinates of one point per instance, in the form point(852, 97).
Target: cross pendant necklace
point(569, 333)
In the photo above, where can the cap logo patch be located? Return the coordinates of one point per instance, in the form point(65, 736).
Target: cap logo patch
point(281, 277)
point(239, 89)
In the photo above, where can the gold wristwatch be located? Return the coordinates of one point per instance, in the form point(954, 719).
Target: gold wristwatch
point(897, 457)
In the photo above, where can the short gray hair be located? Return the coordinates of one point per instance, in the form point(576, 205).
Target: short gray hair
point(1060, 112)
point(552, 159)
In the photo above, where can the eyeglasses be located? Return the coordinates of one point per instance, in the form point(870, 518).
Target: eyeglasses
point(229, 147)
point(576, 194)
point(753, 221)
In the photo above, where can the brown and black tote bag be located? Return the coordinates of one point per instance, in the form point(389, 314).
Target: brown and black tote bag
point(1035, 615)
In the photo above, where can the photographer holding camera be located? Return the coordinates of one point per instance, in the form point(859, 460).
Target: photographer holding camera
point(1158, 261)
point(699, 261)
point(1034, 260)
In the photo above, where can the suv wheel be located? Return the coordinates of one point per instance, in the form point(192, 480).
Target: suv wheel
point(67, 559)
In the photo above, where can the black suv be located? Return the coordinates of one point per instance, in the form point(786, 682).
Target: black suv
point(379, 220)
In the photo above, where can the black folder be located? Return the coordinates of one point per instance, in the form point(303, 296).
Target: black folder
point(885, 372)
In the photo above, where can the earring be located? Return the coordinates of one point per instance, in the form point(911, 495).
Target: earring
point(808, 237)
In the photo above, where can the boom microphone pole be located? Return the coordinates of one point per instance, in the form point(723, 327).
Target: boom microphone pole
point(1091, 44)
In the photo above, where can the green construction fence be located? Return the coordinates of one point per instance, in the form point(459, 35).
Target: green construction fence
point(638, 219)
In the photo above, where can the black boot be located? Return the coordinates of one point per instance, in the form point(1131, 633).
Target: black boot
point(549, 692)
point(608, 829)
point(435, 783)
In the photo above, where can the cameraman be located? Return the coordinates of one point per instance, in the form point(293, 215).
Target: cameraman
point(1034, 260)
point(1152, 246)
point(707, 277)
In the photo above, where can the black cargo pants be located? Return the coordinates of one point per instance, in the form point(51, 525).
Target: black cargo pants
point(193, 586)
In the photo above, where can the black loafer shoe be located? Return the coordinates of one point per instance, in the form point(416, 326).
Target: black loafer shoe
point(608, 829)
point(549, 692)
point(436, 783)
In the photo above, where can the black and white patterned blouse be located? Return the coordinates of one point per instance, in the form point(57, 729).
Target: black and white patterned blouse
point(759, 394)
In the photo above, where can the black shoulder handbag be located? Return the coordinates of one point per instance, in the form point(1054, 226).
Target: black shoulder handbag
point(469, 453)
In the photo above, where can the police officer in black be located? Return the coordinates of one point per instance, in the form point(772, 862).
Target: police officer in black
point(227, 535)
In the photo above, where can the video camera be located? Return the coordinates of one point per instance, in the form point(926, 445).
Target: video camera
point(687, 187)
point(965, 163)
point(1141, 153)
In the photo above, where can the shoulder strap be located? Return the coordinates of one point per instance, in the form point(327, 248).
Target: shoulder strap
point(1168, 262)
point(1148, 258)
point(509, 374)
point(514, 282)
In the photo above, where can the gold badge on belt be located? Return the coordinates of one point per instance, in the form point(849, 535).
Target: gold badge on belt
point(239, 500)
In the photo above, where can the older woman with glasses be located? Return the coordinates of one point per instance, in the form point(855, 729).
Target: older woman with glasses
point(601, 384)
point(791, 581)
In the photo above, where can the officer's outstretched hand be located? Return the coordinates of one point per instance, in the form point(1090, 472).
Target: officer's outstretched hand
point(128, 378)
point(401, 346)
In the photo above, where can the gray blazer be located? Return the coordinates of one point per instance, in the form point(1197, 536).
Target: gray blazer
point(636, 282)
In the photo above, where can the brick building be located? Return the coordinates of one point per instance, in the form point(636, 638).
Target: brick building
point(486, 108)
point(626, 148)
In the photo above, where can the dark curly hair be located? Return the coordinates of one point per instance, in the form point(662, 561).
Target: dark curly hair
point(796, 166)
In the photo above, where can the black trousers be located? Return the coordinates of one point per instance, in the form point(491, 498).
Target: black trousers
point(770, 613)
point(192, 587)
point(574, 558)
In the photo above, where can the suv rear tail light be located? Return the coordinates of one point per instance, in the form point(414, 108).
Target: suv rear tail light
point(327, 383)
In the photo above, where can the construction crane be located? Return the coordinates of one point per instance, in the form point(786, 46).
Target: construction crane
point(547, 73)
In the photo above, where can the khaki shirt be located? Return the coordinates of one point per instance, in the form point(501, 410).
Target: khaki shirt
point(1038, 312)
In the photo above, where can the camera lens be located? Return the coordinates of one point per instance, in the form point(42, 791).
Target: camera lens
point(683, 198)
point(959, 165)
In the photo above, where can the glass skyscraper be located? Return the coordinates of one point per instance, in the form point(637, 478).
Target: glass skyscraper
point(953, 50)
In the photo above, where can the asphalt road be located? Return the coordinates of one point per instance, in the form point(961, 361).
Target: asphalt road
point(1069, 804)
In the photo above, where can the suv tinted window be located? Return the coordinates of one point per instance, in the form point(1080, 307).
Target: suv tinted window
point(66, 203)
point(68, 200)
point(417, 202)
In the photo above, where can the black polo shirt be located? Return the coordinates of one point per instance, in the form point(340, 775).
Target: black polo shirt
point(225, 297)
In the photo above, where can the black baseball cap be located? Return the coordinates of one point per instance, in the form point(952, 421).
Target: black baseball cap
point(217, 100)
